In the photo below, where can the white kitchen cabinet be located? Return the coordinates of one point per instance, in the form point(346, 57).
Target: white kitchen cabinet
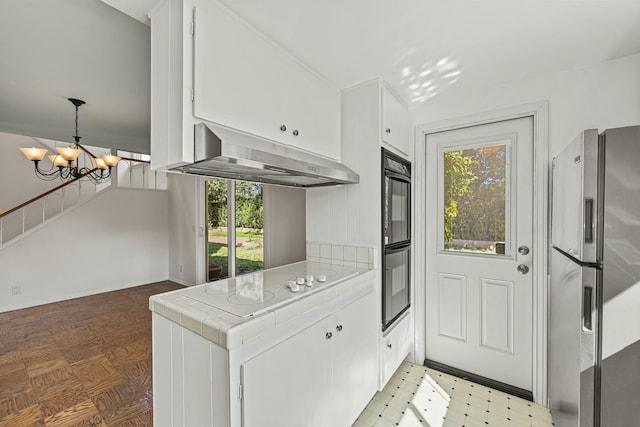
point(396, 345)
point(355, 362)
point(290, 384)
point(353, 213)
point(396, 122)
point(277, 369)
point(245, 81)
point(209, 65)
point(322, 376)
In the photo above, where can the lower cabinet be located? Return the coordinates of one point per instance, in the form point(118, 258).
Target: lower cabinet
point(396, 346)
point(322, 376)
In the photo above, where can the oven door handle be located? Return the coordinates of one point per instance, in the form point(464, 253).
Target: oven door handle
point(397, 176)
point(401, 247)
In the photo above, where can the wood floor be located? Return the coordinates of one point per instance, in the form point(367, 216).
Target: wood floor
point(81, 362)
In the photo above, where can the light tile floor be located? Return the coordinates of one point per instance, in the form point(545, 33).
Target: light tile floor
point(419, 396)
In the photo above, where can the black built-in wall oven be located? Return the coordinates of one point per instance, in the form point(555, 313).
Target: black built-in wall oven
point(396, 236)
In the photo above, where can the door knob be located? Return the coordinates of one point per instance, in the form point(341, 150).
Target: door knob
point(523, 269)
point(523, 250)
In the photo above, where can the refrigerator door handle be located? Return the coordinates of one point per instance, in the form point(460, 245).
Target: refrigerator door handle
point(587, 308)
point(589, 218)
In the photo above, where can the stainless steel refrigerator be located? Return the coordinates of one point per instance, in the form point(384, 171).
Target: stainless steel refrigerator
point(594, 318)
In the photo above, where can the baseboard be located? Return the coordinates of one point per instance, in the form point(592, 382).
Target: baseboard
point(488, 382)
point(79, 294)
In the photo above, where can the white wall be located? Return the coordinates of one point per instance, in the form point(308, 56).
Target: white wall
point(284, 225)
point(18, 182)
point(183, 238)
point(116, 240)
point(603, 96)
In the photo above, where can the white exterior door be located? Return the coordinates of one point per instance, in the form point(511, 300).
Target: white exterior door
point(479, 288)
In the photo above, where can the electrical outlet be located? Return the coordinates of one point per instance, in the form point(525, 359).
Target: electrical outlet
point(16, 290)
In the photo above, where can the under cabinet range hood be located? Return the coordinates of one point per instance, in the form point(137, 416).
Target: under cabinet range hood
point(226, 153)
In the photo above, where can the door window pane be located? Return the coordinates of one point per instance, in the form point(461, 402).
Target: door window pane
point(475, 214)
point(249, 218)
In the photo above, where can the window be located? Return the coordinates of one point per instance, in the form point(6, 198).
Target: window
point(239, 248)
point(474, 196)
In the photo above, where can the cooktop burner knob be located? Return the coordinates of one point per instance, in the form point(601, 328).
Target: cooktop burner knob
point(309, 278)
point(300, 280)
point(293, 286)
point(322, 278)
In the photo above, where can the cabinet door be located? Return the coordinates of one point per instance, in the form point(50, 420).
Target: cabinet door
point(355, 359)
point(244, 81)
point(289, 385)
point(396, 123)
point(396, 345)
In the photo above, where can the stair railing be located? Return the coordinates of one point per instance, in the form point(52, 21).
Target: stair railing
point(130, 172)
point(24, 220)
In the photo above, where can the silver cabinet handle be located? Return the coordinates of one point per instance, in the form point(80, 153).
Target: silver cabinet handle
point(388, 130)
point(283, 128)
point(295, 132)
point(587, 308)
point(339, 328)
point(589, 220)
point(523, 269)
point(523, 250)
point(389, 345)
point(328, 335)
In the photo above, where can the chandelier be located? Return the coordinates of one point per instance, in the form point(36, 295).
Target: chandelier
point(65, 164)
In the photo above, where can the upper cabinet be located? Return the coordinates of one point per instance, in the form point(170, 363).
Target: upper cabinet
point(209, 65)
point(396, 123)
point(244, 81)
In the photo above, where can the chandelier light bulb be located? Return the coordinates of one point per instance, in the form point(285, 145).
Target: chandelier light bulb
point(69, 153)
point(34, 154)
point(57, 160)
point(110, 160)
point(100, 164)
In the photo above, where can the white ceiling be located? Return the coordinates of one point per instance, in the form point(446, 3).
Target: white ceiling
point(51, 50)
point(425, 49)
point(428, 48)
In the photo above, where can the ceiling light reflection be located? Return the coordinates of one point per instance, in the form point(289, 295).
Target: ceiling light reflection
point(442, 61)
point(421, 83)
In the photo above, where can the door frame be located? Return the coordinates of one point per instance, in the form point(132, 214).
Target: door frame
point(540, 113)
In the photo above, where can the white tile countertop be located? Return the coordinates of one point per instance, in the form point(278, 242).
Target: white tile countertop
point(233, 311)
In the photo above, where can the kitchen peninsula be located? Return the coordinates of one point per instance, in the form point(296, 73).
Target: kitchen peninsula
point(239, 351)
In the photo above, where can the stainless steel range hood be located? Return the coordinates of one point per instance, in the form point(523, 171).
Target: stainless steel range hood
point(226, 153)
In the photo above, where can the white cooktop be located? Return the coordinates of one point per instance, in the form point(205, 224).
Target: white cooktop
point(258, 292)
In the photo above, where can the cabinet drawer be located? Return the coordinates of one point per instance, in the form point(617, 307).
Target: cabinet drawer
point(396, 345)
